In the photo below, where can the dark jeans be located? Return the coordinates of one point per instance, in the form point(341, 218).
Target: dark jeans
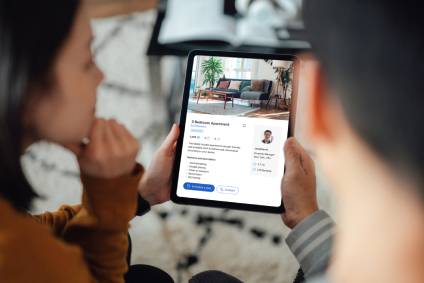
point(141, 273)
point(150, 274)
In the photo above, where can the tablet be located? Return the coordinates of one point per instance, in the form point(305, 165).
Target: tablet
point(234, 122)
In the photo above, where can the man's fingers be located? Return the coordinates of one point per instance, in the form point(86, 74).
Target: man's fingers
point(171, 139)
point(297, 158)
point(292, 152)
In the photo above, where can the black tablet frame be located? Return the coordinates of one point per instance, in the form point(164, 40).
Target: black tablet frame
point(213, 203)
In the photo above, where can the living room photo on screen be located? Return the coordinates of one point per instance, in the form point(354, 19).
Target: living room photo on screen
point(243, 87)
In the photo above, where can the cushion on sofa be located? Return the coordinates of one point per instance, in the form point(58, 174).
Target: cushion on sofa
point(234, 85)
point(246, 88)
point(257, 85)
point(244, 84)
point(254, 95)
point(223, 84)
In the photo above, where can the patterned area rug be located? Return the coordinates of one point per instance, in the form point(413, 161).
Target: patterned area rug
point(182, 240)
point(217, 108)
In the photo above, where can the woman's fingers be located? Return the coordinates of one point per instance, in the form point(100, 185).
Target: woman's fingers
point(155, 186)
point(97, 133)
point(111, 152)
point(171, 139)
point(119, 131)
point(124, 136)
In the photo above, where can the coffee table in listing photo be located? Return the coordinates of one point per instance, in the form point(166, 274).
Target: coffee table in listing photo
point(222, 95)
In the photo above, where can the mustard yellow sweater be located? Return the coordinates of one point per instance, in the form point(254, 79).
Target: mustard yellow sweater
point(83, 243)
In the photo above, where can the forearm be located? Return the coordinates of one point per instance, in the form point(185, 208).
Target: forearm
point(100, 228)
point(104, 252)
point(311, 243)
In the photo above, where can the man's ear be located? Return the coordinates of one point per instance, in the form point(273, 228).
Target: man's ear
point(320, 112)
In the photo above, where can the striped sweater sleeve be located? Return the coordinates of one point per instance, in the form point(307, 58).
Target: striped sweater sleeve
point(311, 242)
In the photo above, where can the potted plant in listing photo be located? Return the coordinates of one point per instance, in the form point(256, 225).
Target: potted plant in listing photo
point(284, 79)
point(211, 69)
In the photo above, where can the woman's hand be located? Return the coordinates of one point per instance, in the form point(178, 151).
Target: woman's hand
point(298, 185)
point(155, 185)
point(111, 152)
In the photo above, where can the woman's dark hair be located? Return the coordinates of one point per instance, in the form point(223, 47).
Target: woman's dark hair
point(31, 35)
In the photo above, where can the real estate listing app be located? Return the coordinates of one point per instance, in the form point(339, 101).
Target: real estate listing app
point(236, 125)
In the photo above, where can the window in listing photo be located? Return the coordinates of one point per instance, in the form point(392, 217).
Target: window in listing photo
point(241, 87)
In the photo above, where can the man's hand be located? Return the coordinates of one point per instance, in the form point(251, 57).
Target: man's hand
point(155, 185)
point(298, 185)
point(111, 152)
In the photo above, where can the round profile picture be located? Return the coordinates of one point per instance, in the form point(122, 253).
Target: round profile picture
point(267, 139)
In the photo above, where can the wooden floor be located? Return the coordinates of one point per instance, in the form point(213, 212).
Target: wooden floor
point(271, 113)
point(109, 8)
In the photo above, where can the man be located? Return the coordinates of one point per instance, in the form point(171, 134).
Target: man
point(365, 99)
point(364, 122)
point(267, 137)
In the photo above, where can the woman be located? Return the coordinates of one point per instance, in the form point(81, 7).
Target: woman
point(48, 82)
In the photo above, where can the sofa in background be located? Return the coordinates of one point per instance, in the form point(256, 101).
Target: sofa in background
point(247, 90)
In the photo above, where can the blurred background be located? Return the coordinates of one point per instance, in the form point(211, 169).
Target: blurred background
point(142, 46)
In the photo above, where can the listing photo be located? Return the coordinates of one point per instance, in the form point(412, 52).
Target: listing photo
point(244, 87)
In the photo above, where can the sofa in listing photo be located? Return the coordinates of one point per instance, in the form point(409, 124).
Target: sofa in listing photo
point(229, 89)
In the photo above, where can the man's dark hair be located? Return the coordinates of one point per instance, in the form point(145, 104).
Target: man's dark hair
point(267, 131)
point(372, 57)
point(31, 35)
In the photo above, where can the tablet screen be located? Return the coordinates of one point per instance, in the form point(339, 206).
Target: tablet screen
point(236, 124)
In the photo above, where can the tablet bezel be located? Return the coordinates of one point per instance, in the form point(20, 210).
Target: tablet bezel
point(213, 203)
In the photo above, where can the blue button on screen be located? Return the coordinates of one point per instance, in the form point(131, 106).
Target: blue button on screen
point(199, 187)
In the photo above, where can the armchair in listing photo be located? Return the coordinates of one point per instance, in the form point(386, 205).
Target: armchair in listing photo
point(142, 47)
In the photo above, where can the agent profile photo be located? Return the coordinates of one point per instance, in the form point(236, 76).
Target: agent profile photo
point(267, 137)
